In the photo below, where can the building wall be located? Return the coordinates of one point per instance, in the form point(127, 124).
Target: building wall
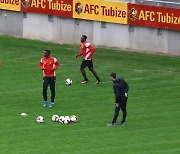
point(36, 26)
point(11, 23)
point(148, 39)
point(114, 35)
point(66, 30)
point(173, 43)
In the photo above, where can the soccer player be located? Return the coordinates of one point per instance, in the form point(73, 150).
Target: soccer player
point(48, 64)
point(87, 51)
point(121, 95)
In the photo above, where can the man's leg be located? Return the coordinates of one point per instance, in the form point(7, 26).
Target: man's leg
point(116, 113)
point(94, 73)
point(82, 67)
point(124, 111)
point(45, 86)
point(83, 73)
point(52, 88)
point(91, 68)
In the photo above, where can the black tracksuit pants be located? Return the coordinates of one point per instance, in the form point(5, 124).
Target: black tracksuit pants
point(49, 81)
point(122, 106)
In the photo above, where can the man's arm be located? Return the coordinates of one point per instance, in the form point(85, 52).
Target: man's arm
point(41, 65)
point(92, 50)
point(79, 54)
point(117, 93)
point(56, 65)
point(126, 86)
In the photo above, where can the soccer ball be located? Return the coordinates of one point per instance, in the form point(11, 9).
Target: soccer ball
point(68, 81)
point(66, 120)
point(73, 118)
point(40, 119)
point(61, 119)
point(55, 118)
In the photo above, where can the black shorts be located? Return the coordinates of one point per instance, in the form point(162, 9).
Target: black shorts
point(86, 63)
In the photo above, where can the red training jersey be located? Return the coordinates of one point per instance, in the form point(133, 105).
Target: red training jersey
point(47, 64)
point(87, 51)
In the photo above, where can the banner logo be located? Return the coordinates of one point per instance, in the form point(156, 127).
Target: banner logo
point(26, 3)
point(133, 14)
point(78, 8)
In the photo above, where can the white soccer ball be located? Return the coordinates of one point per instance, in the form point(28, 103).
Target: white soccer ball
point(66, 120)
point(61, 119)
point(40, 119)
point(73, 118)
point(68, 81)
point(55, 118)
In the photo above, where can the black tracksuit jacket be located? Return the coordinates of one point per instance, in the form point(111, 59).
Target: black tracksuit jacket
point(120, 88)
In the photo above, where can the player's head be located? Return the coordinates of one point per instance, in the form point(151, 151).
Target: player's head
point(113, 76)
point(83, 38)
point(47, 53)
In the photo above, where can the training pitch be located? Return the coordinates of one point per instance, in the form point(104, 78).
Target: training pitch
point(153, 120)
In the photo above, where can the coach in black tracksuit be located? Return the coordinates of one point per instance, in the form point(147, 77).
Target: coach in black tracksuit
point(121, 95)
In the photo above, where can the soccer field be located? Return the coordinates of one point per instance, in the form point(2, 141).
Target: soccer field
point(153, 120)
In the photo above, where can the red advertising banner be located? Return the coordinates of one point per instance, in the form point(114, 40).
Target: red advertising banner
point(152, 16)
point(63, 8)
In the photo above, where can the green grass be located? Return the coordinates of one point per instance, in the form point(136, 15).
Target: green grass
point(153, 121)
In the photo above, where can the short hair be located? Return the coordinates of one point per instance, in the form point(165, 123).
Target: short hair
point(85, 37)
point(49, 51)
point(113, 75)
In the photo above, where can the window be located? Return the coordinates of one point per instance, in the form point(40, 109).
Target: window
point(50, 18)
point(24, 14)
point(77, 21)
point(159, 31)
point(103, 24)
point(131, 28)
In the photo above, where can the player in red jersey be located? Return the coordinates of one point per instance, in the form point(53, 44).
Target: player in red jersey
point(87, 51)
point(48, 64)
